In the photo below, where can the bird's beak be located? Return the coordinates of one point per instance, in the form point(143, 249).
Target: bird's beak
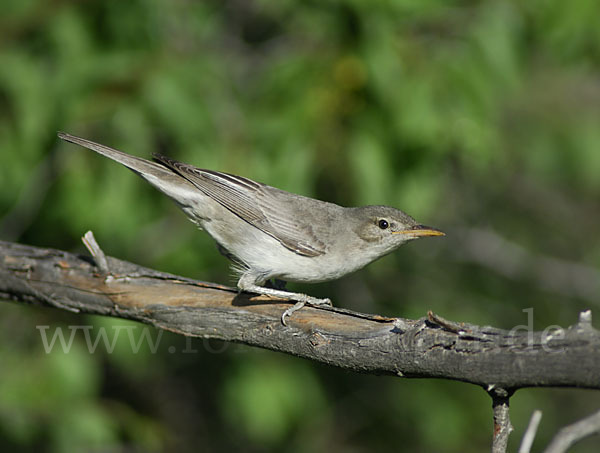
point(420, 231)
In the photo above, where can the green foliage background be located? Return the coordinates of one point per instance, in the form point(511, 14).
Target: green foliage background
point(478, 117)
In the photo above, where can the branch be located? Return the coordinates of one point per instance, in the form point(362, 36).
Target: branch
point(530, 432)
point(427, 347)
point(502, 425)
point(571, 434)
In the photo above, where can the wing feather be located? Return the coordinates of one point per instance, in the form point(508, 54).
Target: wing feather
point(255, 203)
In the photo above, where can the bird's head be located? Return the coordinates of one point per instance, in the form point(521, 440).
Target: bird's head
point(384, 229)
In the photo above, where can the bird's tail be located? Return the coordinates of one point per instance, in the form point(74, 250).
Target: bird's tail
point(134, 163)
point(163, 178)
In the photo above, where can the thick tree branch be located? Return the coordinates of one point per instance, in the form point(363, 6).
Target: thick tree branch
point(428, 347)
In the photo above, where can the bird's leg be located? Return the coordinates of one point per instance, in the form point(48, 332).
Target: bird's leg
point(249, 283)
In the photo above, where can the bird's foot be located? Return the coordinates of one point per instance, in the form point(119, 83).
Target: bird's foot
point(301, 303)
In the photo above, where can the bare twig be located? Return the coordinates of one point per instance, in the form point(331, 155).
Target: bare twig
point(502, 425)
point(450, 326)
point(90, 243)
point(571, 434)
point(531, 431)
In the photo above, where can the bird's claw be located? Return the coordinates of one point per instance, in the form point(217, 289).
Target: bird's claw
point(298, 305)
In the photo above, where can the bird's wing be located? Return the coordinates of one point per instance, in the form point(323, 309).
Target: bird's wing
point(253, 202)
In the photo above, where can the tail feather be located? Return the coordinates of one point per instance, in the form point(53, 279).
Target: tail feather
point(134, 163)
point(160, 176)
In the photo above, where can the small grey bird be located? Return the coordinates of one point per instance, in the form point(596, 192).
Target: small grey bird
point(272, 234)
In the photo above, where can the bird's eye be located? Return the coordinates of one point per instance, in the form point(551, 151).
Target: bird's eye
point(383, 224)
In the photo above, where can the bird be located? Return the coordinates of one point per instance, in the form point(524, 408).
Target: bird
point(273, 236)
